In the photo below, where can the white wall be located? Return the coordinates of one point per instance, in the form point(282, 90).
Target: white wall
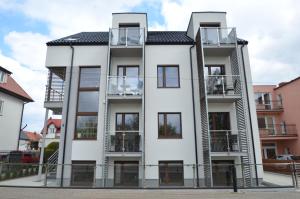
point(168, 100)
point(10, 122)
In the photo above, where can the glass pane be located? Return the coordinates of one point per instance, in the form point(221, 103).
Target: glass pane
point(216, 70)
point(86, 127)
point(89, 77)
point(82, 175)
point(172, 77)
point(261, 123)
point(173, 125)
point(219, 121)
point(88, 101)
point(119, 122)
point(160, 77)
point(131, 122)
point(170, 173)
point(161, 125)
point(132, 71)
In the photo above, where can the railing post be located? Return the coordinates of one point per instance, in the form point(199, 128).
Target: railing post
point(218, 36)
point(234, 180)
point(46, 173)
point(194, 177)
point(124, 85)
point(223, 84)
point(126, 36)
point(228, 143)
point(123, 142)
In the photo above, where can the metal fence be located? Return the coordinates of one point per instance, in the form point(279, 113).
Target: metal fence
point(166, 174)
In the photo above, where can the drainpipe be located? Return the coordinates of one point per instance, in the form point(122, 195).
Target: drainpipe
point(67, 116)
point(194, 114)
point(18, 145)
point(249, 112)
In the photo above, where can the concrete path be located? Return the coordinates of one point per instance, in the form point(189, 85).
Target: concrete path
point(37, 193)
point(278, 179)
point(25, 181)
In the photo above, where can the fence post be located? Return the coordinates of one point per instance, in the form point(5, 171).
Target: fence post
point(194, 176)
point(234, 180)
point(294, 174)
point(46, 173)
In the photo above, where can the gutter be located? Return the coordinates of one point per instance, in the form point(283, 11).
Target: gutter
point(67, 116)
point(194, 114)
point(249, 112)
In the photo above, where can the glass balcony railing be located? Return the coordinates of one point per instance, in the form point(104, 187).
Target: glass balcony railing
point(268, 105)
point(223, 85)
point(125, 86)
point(124, 141)
point(224, 141)
point(278, 130)
point(126, 36)
point(218, 36)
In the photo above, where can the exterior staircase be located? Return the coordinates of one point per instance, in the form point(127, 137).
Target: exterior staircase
point(52, 165)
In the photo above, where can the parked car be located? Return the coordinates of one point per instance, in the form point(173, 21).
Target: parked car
point(287, 157)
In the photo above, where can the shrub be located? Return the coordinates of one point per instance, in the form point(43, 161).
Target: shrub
point(49, 150)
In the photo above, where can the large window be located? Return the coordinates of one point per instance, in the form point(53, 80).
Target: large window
point(169, 125)
point(168, 77)
point(88, 103)
point(83, 173)
point(170, 173)
point(1, 106)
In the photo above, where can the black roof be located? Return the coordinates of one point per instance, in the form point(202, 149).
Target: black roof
point(153, 38)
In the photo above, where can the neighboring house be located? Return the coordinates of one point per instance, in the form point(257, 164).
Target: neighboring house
point(170, 99)
point(278, 118)
point(12, 101)
point(29, 141)
point(53, 131)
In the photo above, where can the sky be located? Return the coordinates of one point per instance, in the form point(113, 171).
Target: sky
point(270, 26)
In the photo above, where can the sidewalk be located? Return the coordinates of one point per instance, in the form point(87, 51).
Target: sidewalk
point(30, 181)
point(277, 179)
point(37, 193)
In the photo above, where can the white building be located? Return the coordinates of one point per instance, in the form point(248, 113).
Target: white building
point(12, 101)
point(146, 107)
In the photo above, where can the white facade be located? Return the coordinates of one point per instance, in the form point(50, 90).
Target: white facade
point(186, 99)
point(10, 120)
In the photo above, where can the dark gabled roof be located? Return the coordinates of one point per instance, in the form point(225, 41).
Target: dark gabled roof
point(101, 38)
point(153, 38)
point(168, 37)
point(5, 70)
point(82, 38)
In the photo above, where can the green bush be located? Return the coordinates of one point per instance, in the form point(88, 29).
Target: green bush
point(49, 150)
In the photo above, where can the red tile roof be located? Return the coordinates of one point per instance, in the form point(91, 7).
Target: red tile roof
point(56, 122)
point(33, 136)
point(11, 87)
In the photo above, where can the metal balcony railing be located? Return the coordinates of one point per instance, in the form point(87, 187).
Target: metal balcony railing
point(223, 85)
point(224, 141)
point(125, 85)
point(124, 141)
point(54, 88)
point(285, 130)
point(218, 36)
point(126, 36)
point(270, 105)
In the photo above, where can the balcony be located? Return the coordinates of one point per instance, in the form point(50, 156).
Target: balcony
point(223, 88)
point(278, 132)
point(54, 95)
point(225, 142)
point(125, 87)
point(221, 39)
point(269, 106)
point(124, 143)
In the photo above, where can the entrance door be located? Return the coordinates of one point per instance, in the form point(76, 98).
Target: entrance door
point(221, 172)
point(126, 173)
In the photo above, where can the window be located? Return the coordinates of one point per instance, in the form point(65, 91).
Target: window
point(1, 106)
point(170, 173)
point(2, 77)
point(169, 125)
point(214, 70)
point(168, 77)
point(83, 173)
point(87, 103)
point(219, 121)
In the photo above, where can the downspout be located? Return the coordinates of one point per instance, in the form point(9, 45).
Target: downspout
point(249, 112)
point(194, 114)
point(18, 145)
point(67, 116)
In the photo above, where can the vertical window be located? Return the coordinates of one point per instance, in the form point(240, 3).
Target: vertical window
point(2, 77)
point(88, 103)
point(83, 173)
point(170, 173)
point(1, 106)
point(168, 77)
point(169, 125)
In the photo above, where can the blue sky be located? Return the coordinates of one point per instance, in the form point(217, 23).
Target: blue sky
point(26, 25)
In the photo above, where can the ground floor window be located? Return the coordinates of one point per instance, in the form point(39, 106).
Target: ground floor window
point(171, 173)
point(126, 173)
point(222, 172)
point(83, 173)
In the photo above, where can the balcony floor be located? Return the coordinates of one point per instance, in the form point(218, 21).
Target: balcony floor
point(223, 98)
point(123, 154)
point(227, 154)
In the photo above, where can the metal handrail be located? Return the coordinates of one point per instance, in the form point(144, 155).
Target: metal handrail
point(223, 84)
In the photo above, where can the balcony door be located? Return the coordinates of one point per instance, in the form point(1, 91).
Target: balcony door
point(215, 79)
point(128, 79)
point(126, 173)
point(266, 125)
point(127, 132)
point(219, 126)
point(263, 101)
point(129, 34)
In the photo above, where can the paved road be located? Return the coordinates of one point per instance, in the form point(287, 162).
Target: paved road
point(38, 193)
